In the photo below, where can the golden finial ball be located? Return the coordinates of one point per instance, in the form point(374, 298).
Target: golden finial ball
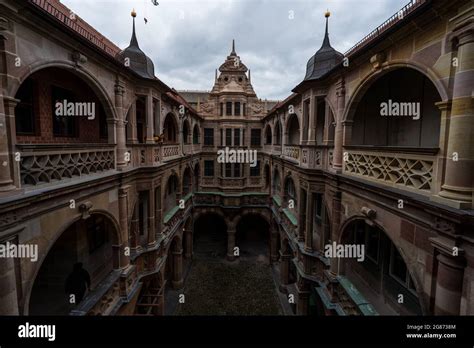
point(327, 14)
point(134, 14)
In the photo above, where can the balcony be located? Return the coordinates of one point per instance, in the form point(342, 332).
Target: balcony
point(407, 169)
point(292, 152)
point(44, 164)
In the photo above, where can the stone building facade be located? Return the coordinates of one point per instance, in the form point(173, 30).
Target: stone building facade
point(123, 192)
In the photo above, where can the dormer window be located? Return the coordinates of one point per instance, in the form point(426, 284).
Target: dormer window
point(228, 109)
point(237, 108)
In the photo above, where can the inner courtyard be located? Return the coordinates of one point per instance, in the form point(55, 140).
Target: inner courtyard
point(134, 212)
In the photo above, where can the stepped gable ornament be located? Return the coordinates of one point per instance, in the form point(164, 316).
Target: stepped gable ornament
point(257, 108)
point(207, 107)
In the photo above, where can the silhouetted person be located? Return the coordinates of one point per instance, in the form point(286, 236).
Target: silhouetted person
point(78, 282)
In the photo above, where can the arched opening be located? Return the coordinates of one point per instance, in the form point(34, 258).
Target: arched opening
point(290, 193)
point(170, 129)
point(268, 135)
point(186, 132)
point(267, 176)
point(196, 134)
point(252, 238)
point(277, 133)
point(398, 109)
point(57, 106)
point(171, 193)
point(140, 108)
point(276, 183)
point(382, 274)
point(187, 181)
point(293, 130)
point(79, 259)
point(174, 264)
point(197, 175)
point(210, 236)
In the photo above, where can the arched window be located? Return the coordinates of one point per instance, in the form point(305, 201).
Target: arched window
point(268, 135)
point(196, 134)
point(170, 129)
point(398, 109)
point(276, 185)
point(186, 132)
point(293, 130)
point(278, 133)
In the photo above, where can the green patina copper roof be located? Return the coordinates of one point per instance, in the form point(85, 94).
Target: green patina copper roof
point(277, 200)
point(290, 216)
point(365, 307)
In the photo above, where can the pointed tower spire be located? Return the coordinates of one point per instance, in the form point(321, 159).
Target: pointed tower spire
point(233, 48)
point(326, 34)
point(133, 40)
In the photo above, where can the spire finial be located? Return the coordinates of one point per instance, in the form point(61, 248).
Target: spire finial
point(133, 40)
point(250, 80)
point(233, 47)
point(326, 34)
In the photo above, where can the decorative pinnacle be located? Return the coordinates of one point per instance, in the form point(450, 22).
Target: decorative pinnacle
point(327, 14)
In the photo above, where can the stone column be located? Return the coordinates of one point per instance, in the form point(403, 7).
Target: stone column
point(303, 298)
point(308, 245)
point(149, 119)
point(284, 269)
point(449, 284)
point(124, 257)
point(302, 214)
point(458, 184)
point(10, 293)
point(9, 168)
point(338, 133)
point(336, 213)
point(188, 243)
point(158, 210)
point(313, 115)
point(177, 281)
point(121, 137)
point(151, 217)
point(450, 276)
point(230, 242)
point(133, 123)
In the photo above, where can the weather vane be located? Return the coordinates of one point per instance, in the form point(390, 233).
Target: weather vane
point(155, 2)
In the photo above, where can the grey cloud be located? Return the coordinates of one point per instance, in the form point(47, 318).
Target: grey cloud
point(188, 39)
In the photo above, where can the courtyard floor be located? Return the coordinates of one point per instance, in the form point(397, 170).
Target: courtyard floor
point(215, 286)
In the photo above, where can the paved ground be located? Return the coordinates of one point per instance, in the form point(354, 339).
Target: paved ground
point(217, 287)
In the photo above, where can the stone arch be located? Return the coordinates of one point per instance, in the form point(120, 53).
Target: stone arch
point(112, 230)
point(186, 132)
point(171, 191)
point(374, 75)
point(170, 128)
point(196, 134)
point(88, 77)
point(292, 130)
point(415, 277)
point(277, 132)
point(187, 182)
point(268, 135)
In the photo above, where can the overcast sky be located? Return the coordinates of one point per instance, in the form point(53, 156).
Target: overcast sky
point(188, 39)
